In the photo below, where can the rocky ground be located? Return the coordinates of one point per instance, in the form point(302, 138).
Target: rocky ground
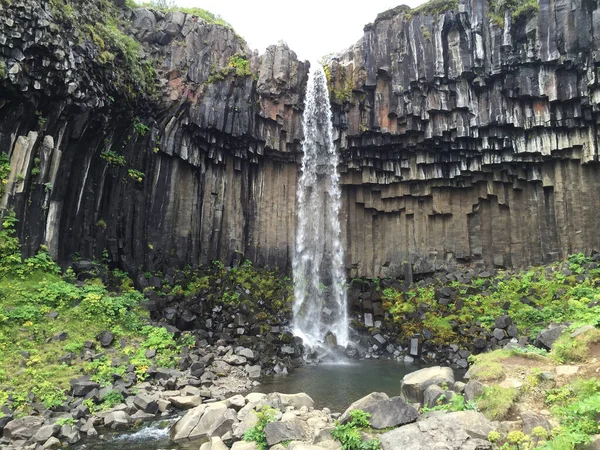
point(513, 398)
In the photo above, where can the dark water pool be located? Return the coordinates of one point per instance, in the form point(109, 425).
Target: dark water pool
point(337, 385)
point(334, 385)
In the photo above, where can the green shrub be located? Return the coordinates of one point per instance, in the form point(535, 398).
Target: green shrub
point(518, 10)
point(349, 434)
point(113, 158)
point(257, 434)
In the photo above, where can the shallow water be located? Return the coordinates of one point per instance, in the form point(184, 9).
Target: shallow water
point(331, 385)
point(152, 436)
point(337, 385)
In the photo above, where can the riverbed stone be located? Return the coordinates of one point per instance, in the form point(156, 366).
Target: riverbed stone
point(277, 432)
point(146, 402)
point(117, 420)
point(185, 401)
point(414, 384)
point(391, 413)
point(52, 443)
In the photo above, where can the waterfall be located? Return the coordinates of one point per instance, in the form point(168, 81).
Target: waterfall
point(318, 260)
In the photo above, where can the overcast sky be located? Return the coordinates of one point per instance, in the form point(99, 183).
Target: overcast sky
point(312, 28)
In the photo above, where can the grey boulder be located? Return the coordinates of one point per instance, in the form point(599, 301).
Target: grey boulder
point(414, 384)
point(391, 413)
point(465, 430)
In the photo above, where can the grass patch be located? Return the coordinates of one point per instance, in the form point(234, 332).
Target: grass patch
point(574, 349)
point(496, 401)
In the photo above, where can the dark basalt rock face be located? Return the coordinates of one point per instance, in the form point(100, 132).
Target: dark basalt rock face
point(462, 142)
point(465, 142)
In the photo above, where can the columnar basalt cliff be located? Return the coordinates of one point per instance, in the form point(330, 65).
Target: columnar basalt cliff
point(205, 170)
point(463, 141)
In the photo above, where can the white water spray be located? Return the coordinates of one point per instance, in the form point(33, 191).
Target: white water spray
point(320, 296)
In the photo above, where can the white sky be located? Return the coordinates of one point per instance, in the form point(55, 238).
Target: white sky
point(312, 28)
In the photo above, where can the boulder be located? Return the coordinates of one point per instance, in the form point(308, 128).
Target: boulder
point(548, 336)
point(532, 420)
point(204, 421)
point(414, 384)
point(106, 338)
point(252, 371)
point(117, 420)
point(391, 413)
point(473, 389)
point(52, 443)
point(465, 430)
point(82, 386)
point(297, 400)
point(431, 395)
point(363, 403)
point(147, 403)
point(185, 401)
point(23, 428)
point(277, 432)
point(215, 443)
point(70, 434)
point(45, 432)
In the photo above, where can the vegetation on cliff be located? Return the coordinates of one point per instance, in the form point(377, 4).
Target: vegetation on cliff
point(561, 292)
point(50, 324)
point(168, 6)
point(517, 9)
point(99, 23)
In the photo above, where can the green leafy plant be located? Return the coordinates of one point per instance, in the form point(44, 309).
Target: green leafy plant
point(136, 175)
point(349, 433)
point(113, 158)
point(140, 127)
point(257, 434)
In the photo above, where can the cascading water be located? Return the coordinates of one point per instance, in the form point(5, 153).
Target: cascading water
point(320, 296)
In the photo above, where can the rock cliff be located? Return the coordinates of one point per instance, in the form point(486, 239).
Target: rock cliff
point(464, 139)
